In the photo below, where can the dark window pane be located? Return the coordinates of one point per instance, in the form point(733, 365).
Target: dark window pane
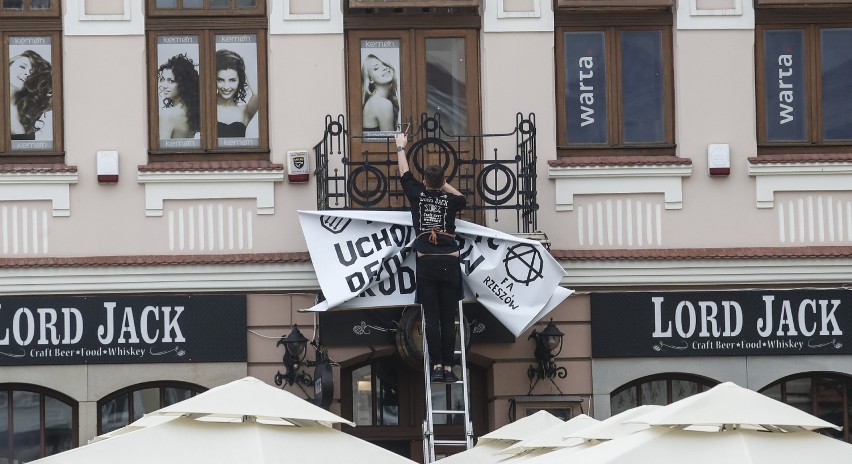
point(219, 4)
point(446, 89)
point(115, 414)
point(362, 396)
point(193, 4)
point(654, 392)
point(829, 402)
point(13, 4)
point(836, 55)
point(246, 3)
point(774, 392)
point(4, 427)
point(684, 388)
point(799, 394)
point(145, 401)
point(784, 85)
point(387, 398)
point(642, 86)
point(172, 395)
point(26, 426)
point(40, 4)
point(585, 87)
point(166, 4)
point(58, 426)
point(623, 401)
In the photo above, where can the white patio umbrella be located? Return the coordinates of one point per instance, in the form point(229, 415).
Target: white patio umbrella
point(245, 421)
point(728, 405)
point(492, 442)
point(552, 438)
point(659, 444)
point(580, 438)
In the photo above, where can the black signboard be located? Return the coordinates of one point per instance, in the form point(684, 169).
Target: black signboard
point(770, 322)
point(122, 329)
point(373, 327)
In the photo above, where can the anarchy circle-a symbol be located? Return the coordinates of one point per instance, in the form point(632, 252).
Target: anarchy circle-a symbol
point(523, 259)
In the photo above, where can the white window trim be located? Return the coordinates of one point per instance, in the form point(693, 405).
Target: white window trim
point(77, 22)
point(330, 21)
point(599, 180)
point(689, 16)
point(184, 185)
point(798, 177)
point(496, 19)
point(82, 16)
point(53, 187)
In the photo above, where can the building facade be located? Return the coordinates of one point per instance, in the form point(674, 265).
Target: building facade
point(687, 162)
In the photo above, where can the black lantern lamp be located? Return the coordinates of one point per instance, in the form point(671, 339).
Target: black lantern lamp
point(548, 345)
point(295, 348)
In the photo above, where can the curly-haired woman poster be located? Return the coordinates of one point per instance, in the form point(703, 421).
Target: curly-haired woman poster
point(380, 87)
point(30, 93)
point(178, 90)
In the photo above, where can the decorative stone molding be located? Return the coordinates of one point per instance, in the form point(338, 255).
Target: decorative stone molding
point(721, 14)
point(798, 177)
point(326, 17)
point(130, 20)
point(615, 179)
point(32, 186)
point(499, 17)
point(206, 185)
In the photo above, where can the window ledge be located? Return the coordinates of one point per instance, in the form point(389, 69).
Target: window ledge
point(798, 173)
point(209, 180)
point(39, 182)
point(613, 175)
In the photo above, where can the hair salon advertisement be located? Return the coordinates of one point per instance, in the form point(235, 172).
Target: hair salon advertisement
point(31, 92)
point(178, 91)
point(236, 91)
point(364, 259)
point(738, 323)
point(380, 88)
point(122, 329)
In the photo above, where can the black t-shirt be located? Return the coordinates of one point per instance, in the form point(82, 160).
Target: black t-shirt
point(432, 210)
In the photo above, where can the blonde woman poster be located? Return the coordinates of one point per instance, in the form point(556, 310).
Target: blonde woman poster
point(380, 92)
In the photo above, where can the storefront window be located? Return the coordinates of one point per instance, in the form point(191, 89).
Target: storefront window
point(822, 395)
point(660, 390)
point(41, 423)
point(375, 384)
point(118, 410)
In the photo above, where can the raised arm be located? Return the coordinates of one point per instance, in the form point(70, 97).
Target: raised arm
point(401, 159)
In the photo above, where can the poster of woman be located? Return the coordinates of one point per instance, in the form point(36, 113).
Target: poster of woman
point(380, 92)
point(179, 117)
point(237, 98)
point(31, 93)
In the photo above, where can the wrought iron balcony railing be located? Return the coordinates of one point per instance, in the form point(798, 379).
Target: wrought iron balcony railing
point(360, 172)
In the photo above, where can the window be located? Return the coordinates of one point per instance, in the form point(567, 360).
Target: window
point(614, 83)
point(804, 94)
point(660, 390)
point(35, 423)
point(207, 86)
point(823, 395)
point(125, 406)
point(32, 124)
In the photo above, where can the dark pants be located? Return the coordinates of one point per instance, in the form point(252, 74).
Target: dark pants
point(438, 290)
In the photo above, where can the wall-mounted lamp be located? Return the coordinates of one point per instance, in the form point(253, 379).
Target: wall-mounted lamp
point(295, 347)
point(548, 345)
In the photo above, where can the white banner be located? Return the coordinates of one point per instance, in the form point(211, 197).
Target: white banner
point(365, 259)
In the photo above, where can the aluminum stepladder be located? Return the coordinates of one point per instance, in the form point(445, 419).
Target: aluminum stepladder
point(429, 439)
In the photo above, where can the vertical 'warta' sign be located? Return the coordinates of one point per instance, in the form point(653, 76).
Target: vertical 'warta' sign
point(722, 323)
point(585, 87)
point(784, 86)
point(122, 329)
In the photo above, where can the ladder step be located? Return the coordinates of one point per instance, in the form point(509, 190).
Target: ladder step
point(451, 442)
point(447, 411)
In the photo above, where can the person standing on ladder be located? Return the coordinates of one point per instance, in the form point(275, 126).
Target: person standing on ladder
point(434, 204)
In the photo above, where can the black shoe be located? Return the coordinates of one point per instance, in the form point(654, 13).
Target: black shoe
point(438, 375)
point(450, 377)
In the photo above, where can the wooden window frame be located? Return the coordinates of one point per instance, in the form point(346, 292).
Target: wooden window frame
point(811, 23)
point(33, 27)
point(160, 386)
point(53, 12)
point(209, 150)
point(704, 382)
point(612, 24)
point(814, 377)
point(9, 388)
point(206, 11)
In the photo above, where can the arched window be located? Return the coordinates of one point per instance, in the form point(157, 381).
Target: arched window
point(34, 423)
point(661, 389)
point(823, 394)
point(129, 404)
